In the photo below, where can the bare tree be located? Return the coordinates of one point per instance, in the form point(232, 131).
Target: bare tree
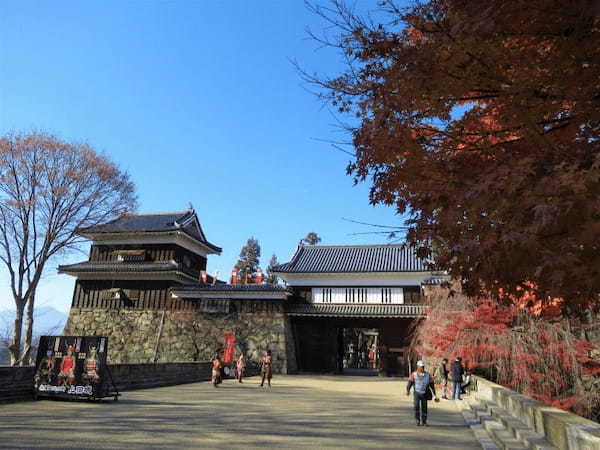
point(48, 190)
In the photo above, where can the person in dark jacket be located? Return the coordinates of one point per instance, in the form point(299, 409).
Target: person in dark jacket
point(423, 383)
point(457, 371)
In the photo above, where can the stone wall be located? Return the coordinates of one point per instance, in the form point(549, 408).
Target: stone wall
point(290, 346)
point(129, 377)
point(180, 336)
point(562, 429)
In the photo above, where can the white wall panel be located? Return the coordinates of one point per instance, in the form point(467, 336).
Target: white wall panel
point(379, 295)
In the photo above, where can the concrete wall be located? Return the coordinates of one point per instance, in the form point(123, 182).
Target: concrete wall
point(563, 429)
point(174, 336)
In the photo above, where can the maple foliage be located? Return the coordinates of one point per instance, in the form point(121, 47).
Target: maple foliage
point(481, 120)
point(525, 348)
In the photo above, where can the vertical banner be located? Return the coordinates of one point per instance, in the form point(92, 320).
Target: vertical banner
point(229, 348)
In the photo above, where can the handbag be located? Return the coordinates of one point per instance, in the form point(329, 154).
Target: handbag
point(428, 394)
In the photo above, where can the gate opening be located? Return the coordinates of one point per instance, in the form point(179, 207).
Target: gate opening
point(353, 346)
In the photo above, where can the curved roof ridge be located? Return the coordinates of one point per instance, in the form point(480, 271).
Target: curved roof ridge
point(159, 213)
point(309, 246)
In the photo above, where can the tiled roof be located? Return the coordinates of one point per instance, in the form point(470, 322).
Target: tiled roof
point(355, 310)
point(353, 258)
point(159, 222)
point(231, 288)
point(118, 267)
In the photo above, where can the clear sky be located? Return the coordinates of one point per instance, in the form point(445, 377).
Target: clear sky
point(199, 102)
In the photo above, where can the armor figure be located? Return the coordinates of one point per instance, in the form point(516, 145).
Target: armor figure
point(66, 375)
point(90, 371)
point(45, 369)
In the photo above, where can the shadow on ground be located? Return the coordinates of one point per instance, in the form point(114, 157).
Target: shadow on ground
point(299, 411)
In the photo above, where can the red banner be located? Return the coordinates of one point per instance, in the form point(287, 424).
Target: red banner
point(229, 348)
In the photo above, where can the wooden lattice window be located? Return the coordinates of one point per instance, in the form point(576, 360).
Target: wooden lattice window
point(132, 294)
point(131, 255)
point(112, 294)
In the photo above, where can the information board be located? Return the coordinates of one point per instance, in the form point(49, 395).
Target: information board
point(73, 367)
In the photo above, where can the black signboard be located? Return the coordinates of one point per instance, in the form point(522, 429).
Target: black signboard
point(73, 367)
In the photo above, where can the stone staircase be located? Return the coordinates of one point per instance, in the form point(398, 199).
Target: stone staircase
point(497, 429)
point(504, 419)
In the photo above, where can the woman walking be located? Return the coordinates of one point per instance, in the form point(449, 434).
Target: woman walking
point(266, 369)
point(241, 367)
point(216, 371)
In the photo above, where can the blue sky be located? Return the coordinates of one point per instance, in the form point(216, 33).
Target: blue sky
point(199, 102)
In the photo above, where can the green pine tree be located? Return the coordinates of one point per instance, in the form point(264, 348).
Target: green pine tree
point(249, 261)
point(311, 238)
point(271, 277)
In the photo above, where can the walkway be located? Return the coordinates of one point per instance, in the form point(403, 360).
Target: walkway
point(298, 412)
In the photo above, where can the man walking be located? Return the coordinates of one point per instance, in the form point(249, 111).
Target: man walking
point(457, 371)
point(424, 391)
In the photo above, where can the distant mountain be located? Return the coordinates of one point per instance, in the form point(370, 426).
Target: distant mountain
point(46, 320)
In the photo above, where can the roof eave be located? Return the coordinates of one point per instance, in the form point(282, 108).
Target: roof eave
point(350, 273)
point(233, 294)
point(99, 236)
point(156, 275)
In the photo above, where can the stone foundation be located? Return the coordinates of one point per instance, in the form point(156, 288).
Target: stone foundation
point(178, 336)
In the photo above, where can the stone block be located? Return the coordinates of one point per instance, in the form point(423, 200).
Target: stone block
point(561, 429)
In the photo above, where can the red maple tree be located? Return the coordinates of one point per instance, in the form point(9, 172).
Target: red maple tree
point(481, 120)
point(517, 343)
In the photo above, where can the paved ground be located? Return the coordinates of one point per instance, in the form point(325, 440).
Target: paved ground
point(297, 412)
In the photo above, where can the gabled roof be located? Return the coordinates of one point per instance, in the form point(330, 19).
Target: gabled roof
point(353, 259)
point(186, 221)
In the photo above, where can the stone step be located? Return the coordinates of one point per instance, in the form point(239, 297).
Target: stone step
point(519, 430)
point(484, 438)
point(506, 430)
point(483, 416)
point(497, 426)
point(492, 425)
point(470, 418)
point(506, 440)
point(534, 440)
